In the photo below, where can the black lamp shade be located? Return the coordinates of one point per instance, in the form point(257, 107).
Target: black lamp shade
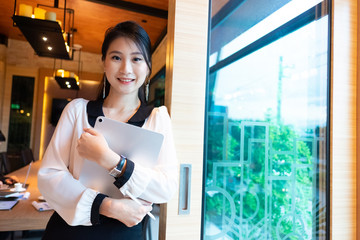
point(67, 83)
point(35, 30)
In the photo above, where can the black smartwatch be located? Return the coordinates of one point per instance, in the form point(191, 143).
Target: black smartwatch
point(117, 170)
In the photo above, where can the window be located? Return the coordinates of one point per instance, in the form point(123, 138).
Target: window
point(157, 89)
point(266, 146)
point(20, 113)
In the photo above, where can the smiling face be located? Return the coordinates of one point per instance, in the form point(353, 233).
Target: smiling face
point(125, 67)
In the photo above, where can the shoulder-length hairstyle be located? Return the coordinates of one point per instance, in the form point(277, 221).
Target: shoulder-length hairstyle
point(139, 36)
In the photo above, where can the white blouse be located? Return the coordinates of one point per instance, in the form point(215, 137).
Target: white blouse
point(58, 177)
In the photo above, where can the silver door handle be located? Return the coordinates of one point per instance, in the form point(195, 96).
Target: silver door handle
point(185, 189)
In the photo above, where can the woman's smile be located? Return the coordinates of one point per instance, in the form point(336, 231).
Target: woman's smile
point(126, 80)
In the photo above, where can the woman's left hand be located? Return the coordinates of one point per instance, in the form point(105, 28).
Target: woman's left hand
point(93, 146)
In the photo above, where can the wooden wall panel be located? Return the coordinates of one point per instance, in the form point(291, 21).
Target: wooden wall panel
point(159, 57)
point(39, 148)
point(185, 98)
point(358, 126)
point(343, 120)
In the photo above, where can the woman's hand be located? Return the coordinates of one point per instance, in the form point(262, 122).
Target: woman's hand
point(8, 180)
point(11, 180)
point(93, 146)
point(125, 210)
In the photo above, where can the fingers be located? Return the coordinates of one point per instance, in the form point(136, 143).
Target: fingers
point(130, 213)
point(136, 219)
point(92, 131)
point(14, 178)
point(87, 134)
point(9, 181)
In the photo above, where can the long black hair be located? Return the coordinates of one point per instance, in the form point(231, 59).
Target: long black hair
point(139, 36)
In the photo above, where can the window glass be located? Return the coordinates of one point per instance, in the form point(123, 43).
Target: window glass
point(156, 93)
point(267, 125)
point(20, 113)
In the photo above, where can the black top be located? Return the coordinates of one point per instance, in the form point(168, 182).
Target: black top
point(94, 110)
point(103, 227)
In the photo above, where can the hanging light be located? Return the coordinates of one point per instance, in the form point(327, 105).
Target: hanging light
point(67, 79)
point(42, 26)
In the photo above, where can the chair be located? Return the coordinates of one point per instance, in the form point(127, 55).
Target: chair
point(27, 156)
point(13, 161)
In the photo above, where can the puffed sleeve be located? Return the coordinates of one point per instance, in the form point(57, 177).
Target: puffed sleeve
point(157, 184)
point(69, 198)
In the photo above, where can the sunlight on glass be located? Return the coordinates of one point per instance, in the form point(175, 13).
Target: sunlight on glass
point(259, 79)
point(275, 20)
point(266, 126)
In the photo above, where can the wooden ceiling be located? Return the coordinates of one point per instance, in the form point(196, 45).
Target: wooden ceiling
point(93, 18)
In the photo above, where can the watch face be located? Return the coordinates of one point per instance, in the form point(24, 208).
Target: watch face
point(115, 172)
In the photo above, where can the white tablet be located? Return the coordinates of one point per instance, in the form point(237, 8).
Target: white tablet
point(140, 145)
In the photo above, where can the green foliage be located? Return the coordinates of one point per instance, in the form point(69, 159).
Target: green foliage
point(250, 184)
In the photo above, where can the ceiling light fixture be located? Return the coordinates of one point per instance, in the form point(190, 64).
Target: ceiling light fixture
point(67, 79)
point(44, 25)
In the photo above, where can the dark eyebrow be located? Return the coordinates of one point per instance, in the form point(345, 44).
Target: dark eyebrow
point(115, 52)
point(119, 52)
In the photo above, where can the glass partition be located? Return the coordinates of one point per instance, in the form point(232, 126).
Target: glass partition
point(267, 128)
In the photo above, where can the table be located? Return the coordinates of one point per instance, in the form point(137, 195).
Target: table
point(24, 216)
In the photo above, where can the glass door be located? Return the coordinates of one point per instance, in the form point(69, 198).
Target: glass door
point(267, 128)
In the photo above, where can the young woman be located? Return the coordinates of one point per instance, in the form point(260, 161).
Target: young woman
point(81, 212)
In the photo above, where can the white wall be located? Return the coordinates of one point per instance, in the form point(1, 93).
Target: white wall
point(20, 53)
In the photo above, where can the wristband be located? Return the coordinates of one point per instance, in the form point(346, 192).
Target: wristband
point(117, 170)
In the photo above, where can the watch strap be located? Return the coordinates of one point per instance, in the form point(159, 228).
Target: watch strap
point(117, 170)
point(121, 163)
point(125, 176)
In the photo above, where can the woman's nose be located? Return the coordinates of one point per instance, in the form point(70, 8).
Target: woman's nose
point(125, 67)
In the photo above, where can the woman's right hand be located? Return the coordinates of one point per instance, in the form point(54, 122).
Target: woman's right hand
point(93, 146)
point(125, 210)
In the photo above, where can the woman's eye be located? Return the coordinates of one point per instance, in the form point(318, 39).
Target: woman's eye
point(117, 58)
point(137, 59)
